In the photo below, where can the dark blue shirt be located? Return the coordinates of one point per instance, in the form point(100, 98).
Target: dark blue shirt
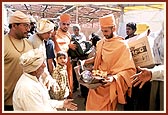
point(50, 54)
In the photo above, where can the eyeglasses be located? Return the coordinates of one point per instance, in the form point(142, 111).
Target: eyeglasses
point(65, 24)
point(25, 25)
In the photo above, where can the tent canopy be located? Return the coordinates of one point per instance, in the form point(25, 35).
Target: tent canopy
point(87, 13)
point(81, 12)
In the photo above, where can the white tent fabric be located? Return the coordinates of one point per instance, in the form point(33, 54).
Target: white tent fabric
point(154, 18)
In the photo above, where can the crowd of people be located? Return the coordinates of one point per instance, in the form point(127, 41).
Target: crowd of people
point(40, 57)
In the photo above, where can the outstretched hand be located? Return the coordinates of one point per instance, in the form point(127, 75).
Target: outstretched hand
point(70, 105)
point(142, 77)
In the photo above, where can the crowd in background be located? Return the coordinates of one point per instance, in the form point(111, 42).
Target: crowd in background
point(40, 57)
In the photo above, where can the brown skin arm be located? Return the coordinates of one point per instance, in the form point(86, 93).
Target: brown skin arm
point(70, 105)
point(142, 77)
point(50, 65)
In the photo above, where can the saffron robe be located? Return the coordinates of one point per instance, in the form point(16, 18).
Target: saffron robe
point(113, 56)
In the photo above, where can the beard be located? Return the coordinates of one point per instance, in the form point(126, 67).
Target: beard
point(22, 35)
point(64, 29)
point(109, 36)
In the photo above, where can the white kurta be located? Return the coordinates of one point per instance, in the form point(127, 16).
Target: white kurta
point(31, 95)
point(158, 50)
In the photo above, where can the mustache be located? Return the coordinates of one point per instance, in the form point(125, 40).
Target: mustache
point(25, 33)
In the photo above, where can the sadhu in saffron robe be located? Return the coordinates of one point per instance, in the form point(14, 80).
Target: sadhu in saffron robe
point(113, 56)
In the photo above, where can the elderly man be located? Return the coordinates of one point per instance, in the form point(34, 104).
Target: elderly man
point(62, 43)
point(29, 93)
point(112, 56)
point(79, 37)
point(14, 45)
point(41, 39)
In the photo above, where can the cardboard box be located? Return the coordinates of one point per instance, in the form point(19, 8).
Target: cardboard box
point(141, 51)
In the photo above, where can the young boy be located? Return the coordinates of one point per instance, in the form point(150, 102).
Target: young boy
point(61, 77)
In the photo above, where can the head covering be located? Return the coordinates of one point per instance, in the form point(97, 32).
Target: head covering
point(19, 17)
point(65, 18)
point(32, 19)
point(44, 25)
point(32, 60)
point(107, 21)
point(141, 27)
point(76, 26)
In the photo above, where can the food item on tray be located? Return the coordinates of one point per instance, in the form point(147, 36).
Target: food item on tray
point(95, 76)
point(99, 73)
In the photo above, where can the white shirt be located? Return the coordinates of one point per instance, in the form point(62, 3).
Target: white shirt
point(158, 51)
point(80, 38)
point(31, 95)
point(158, 48)
point(158, 73)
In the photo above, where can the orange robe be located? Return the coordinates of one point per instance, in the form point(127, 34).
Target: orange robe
point(62, 41)
point(113, 56)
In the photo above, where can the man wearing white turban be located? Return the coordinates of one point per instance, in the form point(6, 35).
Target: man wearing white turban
point(15, 43)
point(29, 94)
point(41, 39)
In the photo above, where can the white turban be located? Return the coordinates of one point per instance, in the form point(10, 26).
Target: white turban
point(32, 60)
point(44, 25)
point(18, 17)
